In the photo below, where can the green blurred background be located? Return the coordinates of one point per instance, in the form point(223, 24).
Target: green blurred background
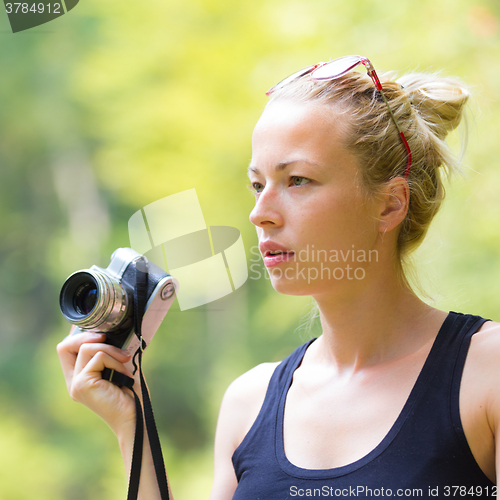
point(118, 104)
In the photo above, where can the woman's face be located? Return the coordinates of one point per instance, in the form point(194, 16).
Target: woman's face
point(309, 202)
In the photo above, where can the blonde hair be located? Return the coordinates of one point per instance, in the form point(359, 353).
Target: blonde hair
point(426, 106)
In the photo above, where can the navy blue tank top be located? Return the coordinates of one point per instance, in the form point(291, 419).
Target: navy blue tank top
point(424, 455)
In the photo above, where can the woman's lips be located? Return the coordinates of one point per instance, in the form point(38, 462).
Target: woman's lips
point(274, 260)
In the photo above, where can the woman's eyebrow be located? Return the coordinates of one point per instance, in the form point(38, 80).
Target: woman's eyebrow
point(283, 165)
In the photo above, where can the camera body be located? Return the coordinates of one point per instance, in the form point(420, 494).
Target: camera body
point(102, 300)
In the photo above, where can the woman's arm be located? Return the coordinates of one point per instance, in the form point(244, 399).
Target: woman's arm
point(83, 357)
point(480, 399)
point(239, 409)
point(148, 486)
point(489, 335)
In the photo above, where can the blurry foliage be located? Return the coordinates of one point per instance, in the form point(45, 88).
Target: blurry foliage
point(118, 104)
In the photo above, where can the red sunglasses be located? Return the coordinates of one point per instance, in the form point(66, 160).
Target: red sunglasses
point(335, 69)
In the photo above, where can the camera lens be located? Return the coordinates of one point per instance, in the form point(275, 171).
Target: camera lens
point(85, 298)
point(94, 300)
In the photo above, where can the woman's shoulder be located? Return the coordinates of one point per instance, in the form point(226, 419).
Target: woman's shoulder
point(486, 338)
point(485, 347)
point(480, 395)
point(245, 396)
point(239, 409)
point(248, 391)
point(250, 388)
point(482, 368)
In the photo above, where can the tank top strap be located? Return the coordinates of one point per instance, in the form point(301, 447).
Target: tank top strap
point(445, 362)
point(456, 329)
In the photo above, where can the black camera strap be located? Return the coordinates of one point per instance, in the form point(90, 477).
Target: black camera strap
point(140, 298)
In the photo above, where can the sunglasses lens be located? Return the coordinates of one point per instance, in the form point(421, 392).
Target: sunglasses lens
point(336, 68)
point(291, 78)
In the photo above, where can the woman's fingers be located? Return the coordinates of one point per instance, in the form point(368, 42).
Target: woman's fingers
point(76, 351)
point(114, 405)
point(89, 351)
point(85, 379)
point(103, 360)
point(69, 348)
point(83, 357)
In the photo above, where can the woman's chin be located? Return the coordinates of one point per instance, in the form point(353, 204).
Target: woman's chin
point(311, 281)
point(290, 284)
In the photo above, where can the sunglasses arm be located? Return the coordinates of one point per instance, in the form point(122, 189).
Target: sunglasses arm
point(376, 80)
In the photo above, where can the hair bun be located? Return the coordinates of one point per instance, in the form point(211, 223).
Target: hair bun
point(439, 101)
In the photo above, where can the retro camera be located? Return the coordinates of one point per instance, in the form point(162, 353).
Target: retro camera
point(102, 300)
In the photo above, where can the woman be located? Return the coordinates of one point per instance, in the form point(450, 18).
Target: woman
point(395, 398)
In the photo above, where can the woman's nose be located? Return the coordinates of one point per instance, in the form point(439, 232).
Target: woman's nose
point(267, 211)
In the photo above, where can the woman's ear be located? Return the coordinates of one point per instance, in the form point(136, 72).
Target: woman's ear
point(394, 203)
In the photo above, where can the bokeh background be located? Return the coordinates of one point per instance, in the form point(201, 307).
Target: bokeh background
point(118, 104)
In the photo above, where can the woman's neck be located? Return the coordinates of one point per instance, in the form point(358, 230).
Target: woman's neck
point(383, 322)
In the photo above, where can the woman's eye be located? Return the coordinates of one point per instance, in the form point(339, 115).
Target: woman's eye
point(299, 181)
point(256, 187)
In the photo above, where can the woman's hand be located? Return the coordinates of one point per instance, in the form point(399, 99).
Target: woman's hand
point(83, 357)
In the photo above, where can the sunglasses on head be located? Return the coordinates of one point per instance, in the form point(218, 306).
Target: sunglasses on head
point(337, 68)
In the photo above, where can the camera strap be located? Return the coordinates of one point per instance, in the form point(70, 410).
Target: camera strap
point(140, 298)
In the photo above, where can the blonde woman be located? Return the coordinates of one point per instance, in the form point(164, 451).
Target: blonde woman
point(395, 398)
